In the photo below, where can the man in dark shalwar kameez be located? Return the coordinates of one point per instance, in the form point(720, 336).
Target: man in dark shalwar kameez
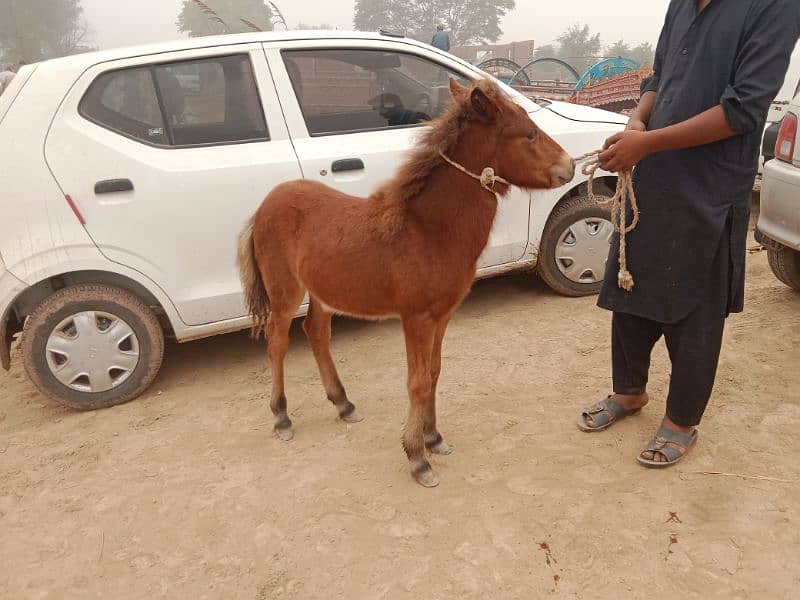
point(695, 141)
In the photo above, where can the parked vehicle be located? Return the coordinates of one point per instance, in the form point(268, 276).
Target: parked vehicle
point(779, 107)
point(778, 226)
point(127, 175)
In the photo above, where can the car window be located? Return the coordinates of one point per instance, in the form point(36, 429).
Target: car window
point(211, 101)
point(190, 103)
point(342, 91)
point(126, 102)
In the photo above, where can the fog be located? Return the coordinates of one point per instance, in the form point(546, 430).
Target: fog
point(121, 23)
point(118, 22)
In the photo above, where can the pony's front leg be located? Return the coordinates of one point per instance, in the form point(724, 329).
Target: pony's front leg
point(433, 439)
point(419, 333)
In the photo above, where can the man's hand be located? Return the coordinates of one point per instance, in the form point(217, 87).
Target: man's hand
point(623, 150)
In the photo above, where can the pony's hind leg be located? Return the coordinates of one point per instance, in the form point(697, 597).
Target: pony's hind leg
point(317, 326)
point(285, 296)
point(433, 439)
point(419, 334)
point(277, 344)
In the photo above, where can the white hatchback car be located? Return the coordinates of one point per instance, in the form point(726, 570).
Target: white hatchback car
point(127, 175)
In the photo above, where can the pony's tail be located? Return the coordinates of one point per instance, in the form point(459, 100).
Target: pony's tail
point(255, 294)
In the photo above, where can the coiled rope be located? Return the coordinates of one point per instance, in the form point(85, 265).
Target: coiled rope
point(618, 204)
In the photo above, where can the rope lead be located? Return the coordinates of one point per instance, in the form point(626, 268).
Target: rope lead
point(618, 203)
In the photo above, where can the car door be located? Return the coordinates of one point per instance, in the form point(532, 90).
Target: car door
point(355, 108)
point(167, 157)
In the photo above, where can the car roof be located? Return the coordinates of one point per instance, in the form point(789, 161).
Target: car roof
point(92, 58)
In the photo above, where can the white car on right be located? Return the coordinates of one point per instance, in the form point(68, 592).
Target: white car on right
point(779, 107)
point(778, 226)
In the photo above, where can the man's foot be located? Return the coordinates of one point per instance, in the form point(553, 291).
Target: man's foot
point(673, 447)
point(610, 410)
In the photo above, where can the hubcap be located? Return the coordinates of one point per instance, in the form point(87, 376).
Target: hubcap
point(582, 250)
point(92, 351)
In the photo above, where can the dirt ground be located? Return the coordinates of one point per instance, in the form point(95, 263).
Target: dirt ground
point(186, 494)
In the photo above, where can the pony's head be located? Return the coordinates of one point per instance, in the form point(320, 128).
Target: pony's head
point(520, 152)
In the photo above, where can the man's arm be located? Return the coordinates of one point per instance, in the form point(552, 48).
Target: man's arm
point(774, 26)
point(624, 150)
point(640, 117)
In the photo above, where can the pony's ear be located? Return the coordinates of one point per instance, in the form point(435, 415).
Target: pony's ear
point(458, 91)
point(483, 106)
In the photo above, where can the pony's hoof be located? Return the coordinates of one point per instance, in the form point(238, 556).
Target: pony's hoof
point(284, 434)
point(353, 417)
point(441, 448)
point(427, 479)
point(425, 475)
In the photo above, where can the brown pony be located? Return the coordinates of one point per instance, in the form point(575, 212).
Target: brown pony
point(409, 250)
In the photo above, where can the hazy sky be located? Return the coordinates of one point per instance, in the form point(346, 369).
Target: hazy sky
point(127, 22)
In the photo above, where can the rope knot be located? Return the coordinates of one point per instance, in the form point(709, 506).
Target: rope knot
point(625, 280)
point(488, 178)
point(623, 195)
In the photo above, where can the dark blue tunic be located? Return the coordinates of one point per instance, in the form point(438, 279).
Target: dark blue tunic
point(734, 53)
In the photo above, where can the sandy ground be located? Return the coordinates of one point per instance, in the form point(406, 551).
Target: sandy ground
point(186, 494)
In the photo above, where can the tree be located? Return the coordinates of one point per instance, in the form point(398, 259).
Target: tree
point(618, 50)
point(546, 51)
point(644, 53)
point(214, 17)
point(467, 21)
point(33, 30)
point(579, 47)
point(372, 15)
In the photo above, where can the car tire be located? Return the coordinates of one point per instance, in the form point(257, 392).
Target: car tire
point(573, 213)
point(785, 264)
point(71, 351)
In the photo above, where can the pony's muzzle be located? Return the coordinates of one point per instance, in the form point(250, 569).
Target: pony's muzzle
point(563, 171)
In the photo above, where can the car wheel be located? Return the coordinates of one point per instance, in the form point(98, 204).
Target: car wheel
point(785, 263)
point(92, 346)
point(574, 248)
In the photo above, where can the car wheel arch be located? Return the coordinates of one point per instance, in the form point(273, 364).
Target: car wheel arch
point(26, 302)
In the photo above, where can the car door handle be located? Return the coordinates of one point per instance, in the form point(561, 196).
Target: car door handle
point(347, 164)
point(111, 186)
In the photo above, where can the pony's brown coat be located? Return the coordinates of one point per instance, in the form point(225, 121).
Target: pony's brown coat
point(409, 250)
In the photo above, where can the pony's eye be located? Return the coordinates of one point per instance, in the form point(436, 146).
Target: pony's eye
point(532, 135)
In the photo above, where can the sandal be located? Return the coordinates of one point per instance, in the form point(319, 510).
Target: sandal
point(604, 414)
point(665, 443)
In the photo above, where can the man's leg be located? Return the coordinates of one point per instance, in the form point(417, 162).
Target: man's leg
point(694, 347)
point(632, 341)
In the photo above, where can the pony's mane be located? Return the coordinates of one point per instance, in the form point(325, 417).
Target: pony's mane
point(442, 136)
point(389, 202)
